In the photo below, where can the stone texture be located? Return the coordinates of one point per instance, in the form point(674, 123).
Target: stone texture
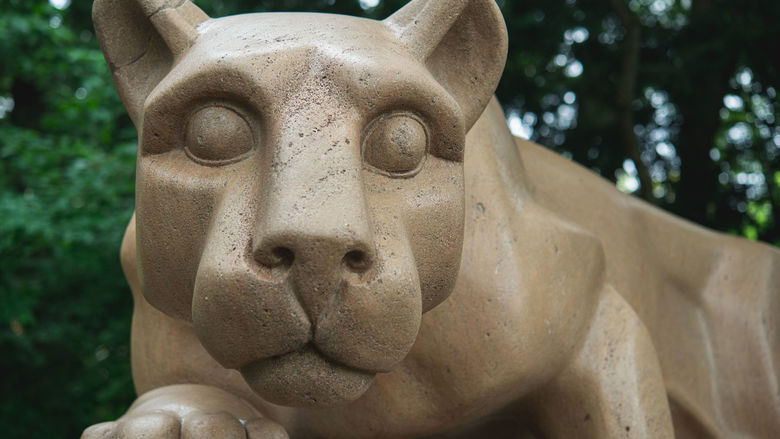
point(337, 236)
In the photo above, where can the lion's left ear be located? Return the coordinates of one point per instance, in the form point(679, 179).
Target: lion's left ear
point(462, 42)
point(141, 40)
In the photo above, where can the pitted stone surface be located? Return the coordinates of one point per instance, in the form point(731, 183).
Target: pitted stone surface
point(337, 236)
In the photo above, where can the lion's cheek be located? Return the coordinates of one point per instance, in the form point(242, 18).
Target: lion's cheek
point(372, 326)
point(438, 267)
point(426, 213)
point(240, 318)
point(435, 233)
point(173, 213)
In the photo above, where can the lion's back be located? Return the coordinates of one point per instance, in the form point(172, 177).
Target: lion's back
point(710, 301)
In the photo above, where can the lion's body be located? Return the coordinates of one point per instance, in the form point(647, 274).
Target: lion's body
point(476, 355)
point(337, 236)
point(710, 301)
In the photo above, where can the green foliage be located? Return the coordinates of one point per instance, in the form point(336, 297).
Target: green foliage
point(699, 100)
point(67, 158)
point(703, 106)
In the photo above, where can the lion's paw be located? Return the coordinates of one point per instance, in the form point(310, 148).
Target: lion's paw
point(195, 425)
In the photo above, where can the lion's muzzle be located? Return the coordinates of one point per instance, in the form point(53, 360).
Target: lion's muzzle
point(308, 316)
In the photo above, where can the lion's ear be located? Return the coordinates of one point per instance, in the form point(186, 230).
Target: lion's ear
point(462, 42)
point(141, 39)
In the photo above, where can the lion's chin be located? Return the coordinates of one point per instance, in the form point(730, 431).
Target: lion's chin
point(305, 378)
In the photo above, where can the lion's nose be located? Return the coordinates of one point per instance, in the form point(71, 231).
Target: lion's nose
point(318, 265)
point(317, 236)
point(319, 253)
point(313, 222)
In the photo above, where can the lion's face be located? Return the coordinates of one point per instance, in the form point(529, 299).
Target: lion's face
point(300, 200)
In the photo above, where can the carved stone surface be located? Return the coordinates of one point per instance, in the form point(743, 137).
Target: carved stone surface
point(337, 236)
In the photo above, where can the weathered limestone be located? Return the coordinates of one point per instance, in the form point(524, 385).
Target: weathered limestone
point(337, 236)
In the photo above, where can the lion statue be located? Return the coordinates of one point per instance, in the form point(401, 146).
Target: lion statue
point(336, 236)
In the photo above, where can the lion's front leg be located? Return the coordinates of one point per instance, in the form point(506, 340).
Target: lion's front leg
point(613, 388)
point(188, 411)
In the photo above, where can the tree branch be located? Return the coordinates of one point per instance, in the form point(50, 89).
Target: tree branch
point(627, 92)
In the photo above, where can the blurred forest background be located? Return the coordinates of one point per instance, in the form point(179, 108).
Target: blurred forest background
point(673, 100)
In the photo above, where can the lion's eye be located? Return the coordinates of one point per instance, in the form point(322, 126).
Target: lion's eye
point(218, 136)
point(395, 144)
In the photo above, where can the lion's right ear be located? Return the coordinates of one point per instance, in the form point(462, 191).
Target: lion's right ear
point(462, 42)
point(141, 39)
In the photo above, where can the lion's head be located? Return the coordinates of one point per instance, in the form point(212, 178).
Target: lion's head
point(300, 178)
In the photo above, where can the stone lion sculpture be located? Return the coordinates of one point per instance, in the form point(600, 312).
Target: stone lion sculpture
point(337, 236)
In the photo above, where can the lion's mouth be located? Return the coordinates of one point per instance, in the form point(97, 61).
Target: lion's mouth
point(306, 378)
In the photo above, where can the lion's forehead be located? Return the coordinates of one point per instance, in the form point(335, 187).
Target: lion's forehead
point(313, 40)
point(272, 59)
point(230, 34)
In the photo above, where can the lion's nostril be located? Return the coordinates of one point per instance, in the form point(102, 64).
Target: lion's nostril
point(283, 256)
point(357, 261)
